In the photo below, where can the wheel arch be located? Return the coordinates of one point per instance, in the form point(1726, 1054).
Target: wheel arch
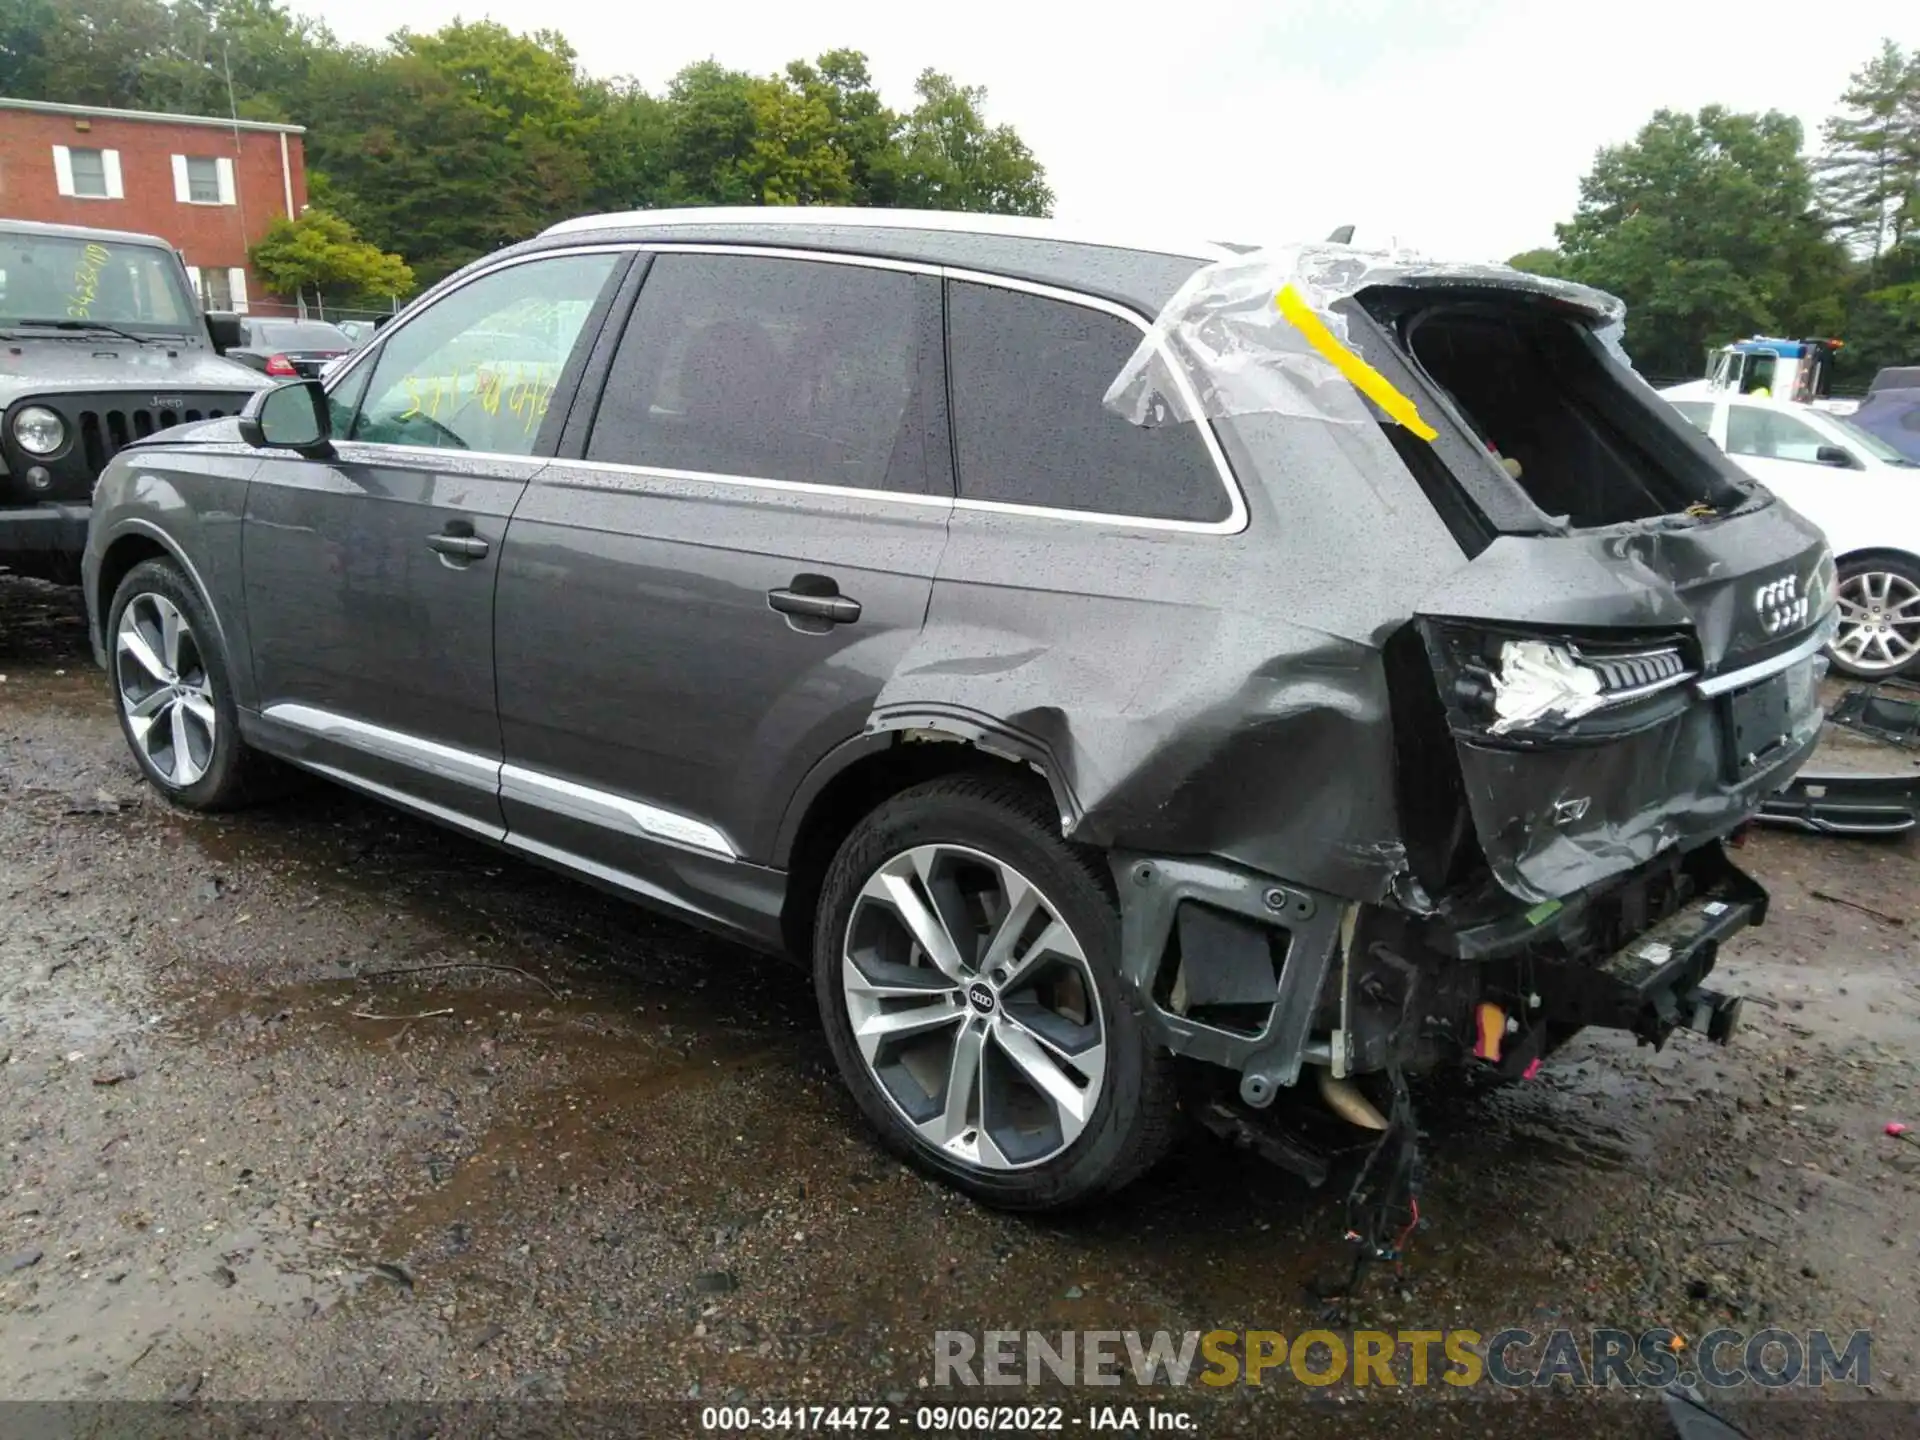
point(136, 542)
point(864, 772)
point(1878, 552)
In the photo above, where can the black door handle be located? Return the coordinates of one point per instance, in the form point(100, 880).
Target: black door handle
point(466, 547)
point(834, 609)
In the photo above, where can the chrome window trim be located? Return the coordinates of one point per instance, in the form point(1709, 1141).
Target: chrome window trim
point(1233, 523)
point(1236, 517)
point(783, 252)
point(604, 808)
point(1816, 641)
point(933, 222)
point(414, 311)
point(756, 482)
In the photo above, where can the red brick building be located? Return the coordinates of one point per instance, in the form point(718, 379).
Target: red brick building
point(208, 185)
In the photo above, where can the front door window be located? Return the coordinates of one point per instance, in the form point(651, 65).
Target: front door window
point(475, 370)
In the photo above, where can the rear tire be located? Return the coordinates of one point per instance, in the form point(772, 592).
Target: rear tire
point(967, 966)
point(173, 691)
point(1879, 635)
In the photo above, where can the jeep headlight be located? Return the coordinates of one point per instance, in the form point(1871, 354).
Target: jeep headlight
point(38, 430)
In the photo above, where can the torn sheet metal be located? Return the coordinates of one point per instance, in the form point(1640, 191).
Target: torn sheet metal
point(1264, 333)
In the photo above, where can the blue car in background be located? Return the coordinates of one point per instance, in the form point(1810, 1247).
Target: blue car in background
point(1892, 409)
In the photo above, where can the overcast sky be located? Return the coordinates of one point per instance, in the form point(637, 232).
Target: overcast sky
point(1459, 127)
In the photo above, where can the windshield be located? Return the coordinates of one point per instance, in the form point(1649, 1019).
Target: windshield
point(1866, 440)
point(63, 279)
point(301, 335)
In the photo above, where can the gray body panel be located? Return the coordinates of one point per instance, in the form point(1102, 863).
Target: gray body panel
point(638, 652)
point(1218, 691)
point(355, 616)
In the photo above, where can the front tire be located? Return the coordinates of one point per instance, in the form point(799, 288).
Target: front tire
point(1879, 634)
point(173, 691)
point(967, 967)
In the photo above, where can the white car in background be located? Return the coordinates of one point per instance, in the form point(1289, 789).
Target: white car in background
point(1858, 489)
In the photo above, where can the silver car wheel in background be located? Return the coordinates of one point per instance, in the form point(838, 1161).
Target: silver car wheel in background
point(972, 1004)
point(164, 689)
point(1879, 621)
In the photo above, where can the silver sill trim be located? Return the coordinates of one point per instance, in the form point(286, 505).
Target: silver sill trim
point(510, 782)
point(1814, 643)
point(463, 767)
point(621, 879)
point(401, 800)
point(612, 812)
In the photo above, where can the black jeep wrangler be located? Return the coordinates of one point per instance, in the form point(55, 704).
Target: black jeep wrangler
point(101, 343)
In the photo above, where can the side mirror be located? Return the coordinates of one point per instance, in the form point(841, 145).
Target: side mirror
point(224, 330)
point(1835, 455)
point(289, 417)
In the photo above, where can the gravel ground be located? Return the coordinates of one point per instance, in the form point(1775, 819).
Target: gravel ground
point(271, 1132)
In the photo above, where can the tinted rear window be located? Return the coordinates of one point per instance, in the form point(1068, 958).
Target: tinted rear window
point(1028, 374)
point(772, 369)
point(289, 335)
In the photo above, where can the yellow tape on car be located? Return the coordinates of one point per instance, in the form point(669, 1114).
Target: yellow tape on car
point(1362, 376)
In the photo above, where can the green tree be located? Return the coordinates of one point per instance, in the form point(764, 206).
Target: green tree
point(864, 130)
point(444, 146)
point(1704, 225)
point(1869, 173)
point(948, 157)
point(321, 252)
point(1546, 261)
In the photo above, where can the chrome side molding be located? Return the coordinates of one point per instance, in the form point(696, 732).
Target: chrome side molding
point(604, 808)
point(611, 811)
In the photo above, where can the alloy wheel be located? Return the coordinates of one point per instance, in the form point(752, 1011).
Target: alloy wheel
point(973, 1006)
point(165, 691)
point(1879, 621)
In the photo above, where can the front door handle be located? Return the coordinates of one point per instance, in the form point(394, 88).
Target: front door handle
point(832, 608)
point(465, 547)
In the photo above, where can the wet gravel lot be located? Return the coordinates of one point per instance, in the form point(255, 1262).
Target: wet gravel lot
point(318, 1102)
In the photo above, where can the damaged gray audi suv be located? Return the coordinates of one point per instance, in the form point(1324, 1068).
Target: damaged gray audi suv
point(1133, 699)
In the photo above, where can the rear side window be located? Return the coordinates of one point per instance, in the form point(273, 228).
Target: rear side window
point(797, 370)
point(1027, 376)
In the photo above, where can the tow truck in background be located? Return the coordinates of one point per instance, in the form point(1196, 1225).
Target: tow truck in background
point(1799, 370)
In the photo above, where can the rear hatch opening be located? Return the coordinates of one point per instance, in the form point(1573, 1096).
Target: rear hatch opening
point(1558, 412)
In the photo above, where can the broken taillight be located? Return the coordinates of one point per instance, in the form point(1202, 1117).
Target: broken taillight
point(1518, 686)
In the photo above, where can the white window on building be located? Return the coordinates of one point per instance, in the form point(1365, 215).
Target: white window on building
point(203, 179)
point(221, 287)
point(87, 174)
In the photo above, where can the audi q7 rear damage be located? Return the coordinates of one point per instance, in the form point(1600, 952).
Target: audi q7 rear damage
point(1542, 762)
point(1352, 672)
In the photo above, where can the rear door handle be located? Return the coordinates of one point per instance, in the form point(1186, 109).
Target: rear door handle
point(834, 609)
point(467, 547)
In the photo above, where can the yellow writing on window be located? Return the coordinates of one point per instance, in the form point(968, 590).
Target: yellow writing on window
point(86, 281)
